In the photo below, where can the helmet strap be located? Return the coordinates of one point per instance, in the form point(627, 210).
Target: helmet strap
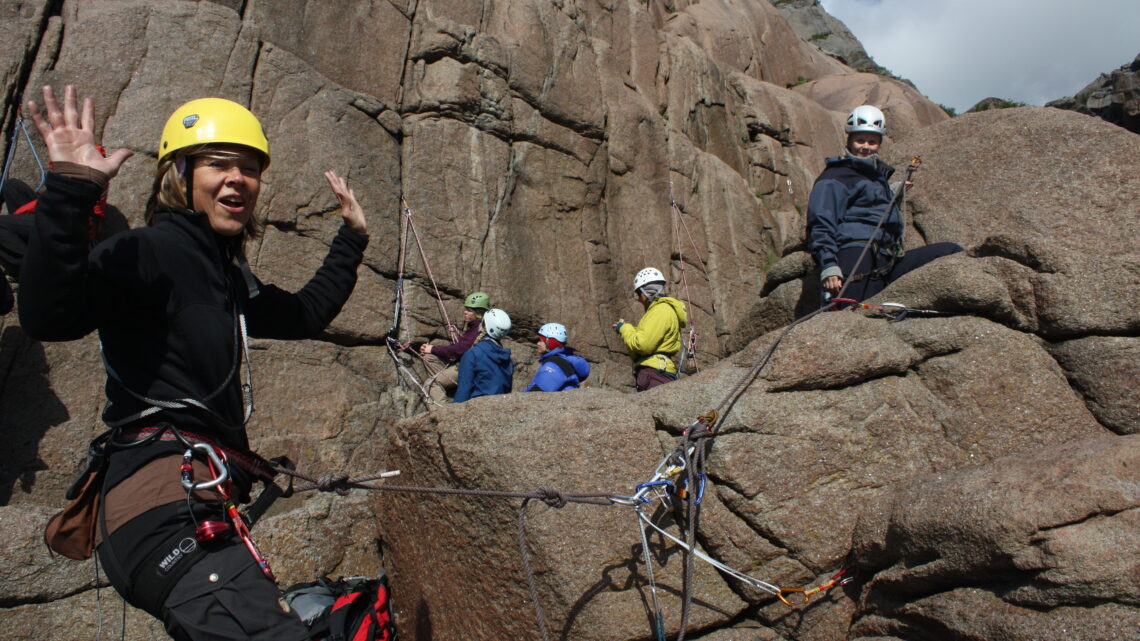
point(185, 169)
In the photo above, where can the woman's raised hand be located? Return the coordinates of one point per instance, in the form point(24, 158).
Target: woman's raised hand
point(350, 210)
point(70, 134)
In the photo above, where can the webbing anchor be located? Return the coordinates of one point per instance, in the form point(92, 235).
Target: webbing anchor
point(836, 580)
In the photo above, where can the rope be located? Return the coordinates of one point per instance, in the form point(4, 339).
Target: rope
point(692, 451)
point(690, 344)
point(452, 331)
point(394, 348)
point(530, 582)
point(734, 395)
point(342, 483)
point(658, 617)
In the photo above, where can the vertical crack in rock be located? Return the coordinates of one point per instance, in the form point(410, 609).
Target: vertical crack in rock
point(452, 475)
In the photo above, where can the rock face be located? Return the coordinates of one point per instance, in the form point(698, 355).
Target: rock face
point(537, 145)
point(815, 25)
point(905, 108)
point(1114, 97)
point(1010, 542)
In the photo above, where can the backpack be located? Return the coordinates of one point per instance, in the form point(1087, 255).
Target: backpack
point(348, 609)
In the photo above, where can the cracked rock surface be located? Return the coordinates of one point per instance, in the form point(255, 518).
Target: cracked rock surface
point(978, 470)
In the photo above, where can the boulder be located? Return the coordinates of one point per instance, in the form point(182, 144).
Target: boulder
point(846, 407)
point(754, 38)
point(905, 108)
point(1114, 97)
point(1044, 541)
point(1105, 369)
point(814, 25)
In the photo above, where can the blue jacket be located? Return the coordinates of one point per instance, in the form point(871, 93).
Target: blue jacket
point(845, 205)
point(484, 370)
point(551, 378)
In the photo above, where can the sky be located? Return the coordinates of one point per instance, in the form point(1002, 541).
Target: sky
point(958, 52)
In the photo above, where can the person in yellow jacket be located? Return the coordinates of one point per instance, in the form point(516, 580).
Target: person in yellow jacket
point(656, 338)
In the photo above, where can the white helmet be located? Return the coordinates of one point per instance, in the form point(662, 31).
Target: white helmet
point(496, 323)
point(557, 331)
point(866, 118)
point(646, 276)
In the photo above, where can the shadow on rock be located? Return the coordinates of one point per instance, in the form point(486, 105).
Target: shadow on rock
point(28, 407)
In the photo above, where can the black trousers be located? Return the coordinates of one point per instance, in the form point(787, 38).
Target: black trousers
point(220, 595)
point(908, 262)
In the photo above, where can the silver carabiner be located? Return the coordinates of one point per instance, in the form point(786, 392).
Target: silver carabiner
point(894, 311)
point(219, 464)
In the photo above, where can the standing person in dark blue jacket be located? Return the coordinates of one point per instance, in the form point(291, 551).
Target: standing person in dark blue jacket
point(559, 368)
point(846, 204)
point(486, 368)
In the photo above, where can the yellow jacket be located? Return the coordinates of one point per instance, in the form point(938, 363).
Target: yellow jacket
point(657, 336)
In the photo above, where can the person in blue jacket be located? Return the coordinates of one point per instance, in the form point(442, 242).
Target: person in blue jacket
point(846, 203)
point(559, 368)
point(486, 368)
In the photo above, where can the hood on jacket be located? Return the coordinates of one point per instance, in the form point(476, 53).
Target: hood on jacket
point(678, 307)
point(495, 352)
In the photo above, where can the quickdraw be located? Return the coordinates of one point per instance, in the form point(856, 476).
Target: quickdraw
point(893, 311)
point(837, 579)
point(670, 480)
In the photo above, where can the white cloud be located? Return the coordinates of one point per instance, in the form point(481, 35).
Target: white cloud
point(960, 51)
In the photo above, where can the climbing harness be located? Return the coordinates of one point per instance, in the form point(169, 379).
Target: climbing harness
point(20, 128)
point(689, 343)
point(893, 311)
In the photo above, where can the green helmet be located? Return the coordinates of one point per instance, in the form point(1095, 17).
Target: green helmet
point(478, 300)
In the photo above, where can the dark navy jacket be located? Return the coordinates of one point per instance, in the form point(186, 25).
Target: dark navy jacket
point(485, 369)
point(551, 378)
point(845, 205)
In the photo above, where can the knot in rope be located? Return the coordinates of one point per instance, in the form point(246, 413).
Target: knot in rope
point(334, 483)
point(552, 497)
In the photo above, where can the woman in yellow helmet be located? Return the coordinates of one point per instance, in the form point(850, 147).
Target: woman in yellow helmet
point(173, 304)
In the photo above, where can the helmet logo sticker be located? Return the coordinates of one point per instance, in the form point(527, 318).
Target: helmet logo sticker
point(190, 121)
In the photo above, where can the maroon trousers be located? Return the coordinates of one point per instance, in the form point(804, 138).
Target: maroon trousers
point(649, 377)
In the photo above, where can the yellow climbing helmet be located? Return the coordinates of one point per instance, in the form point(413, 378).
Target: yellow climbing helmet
point(212, 120)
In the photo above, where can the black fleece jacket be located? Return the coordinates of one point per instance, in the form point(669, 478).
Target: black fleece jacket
point(163, 299)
